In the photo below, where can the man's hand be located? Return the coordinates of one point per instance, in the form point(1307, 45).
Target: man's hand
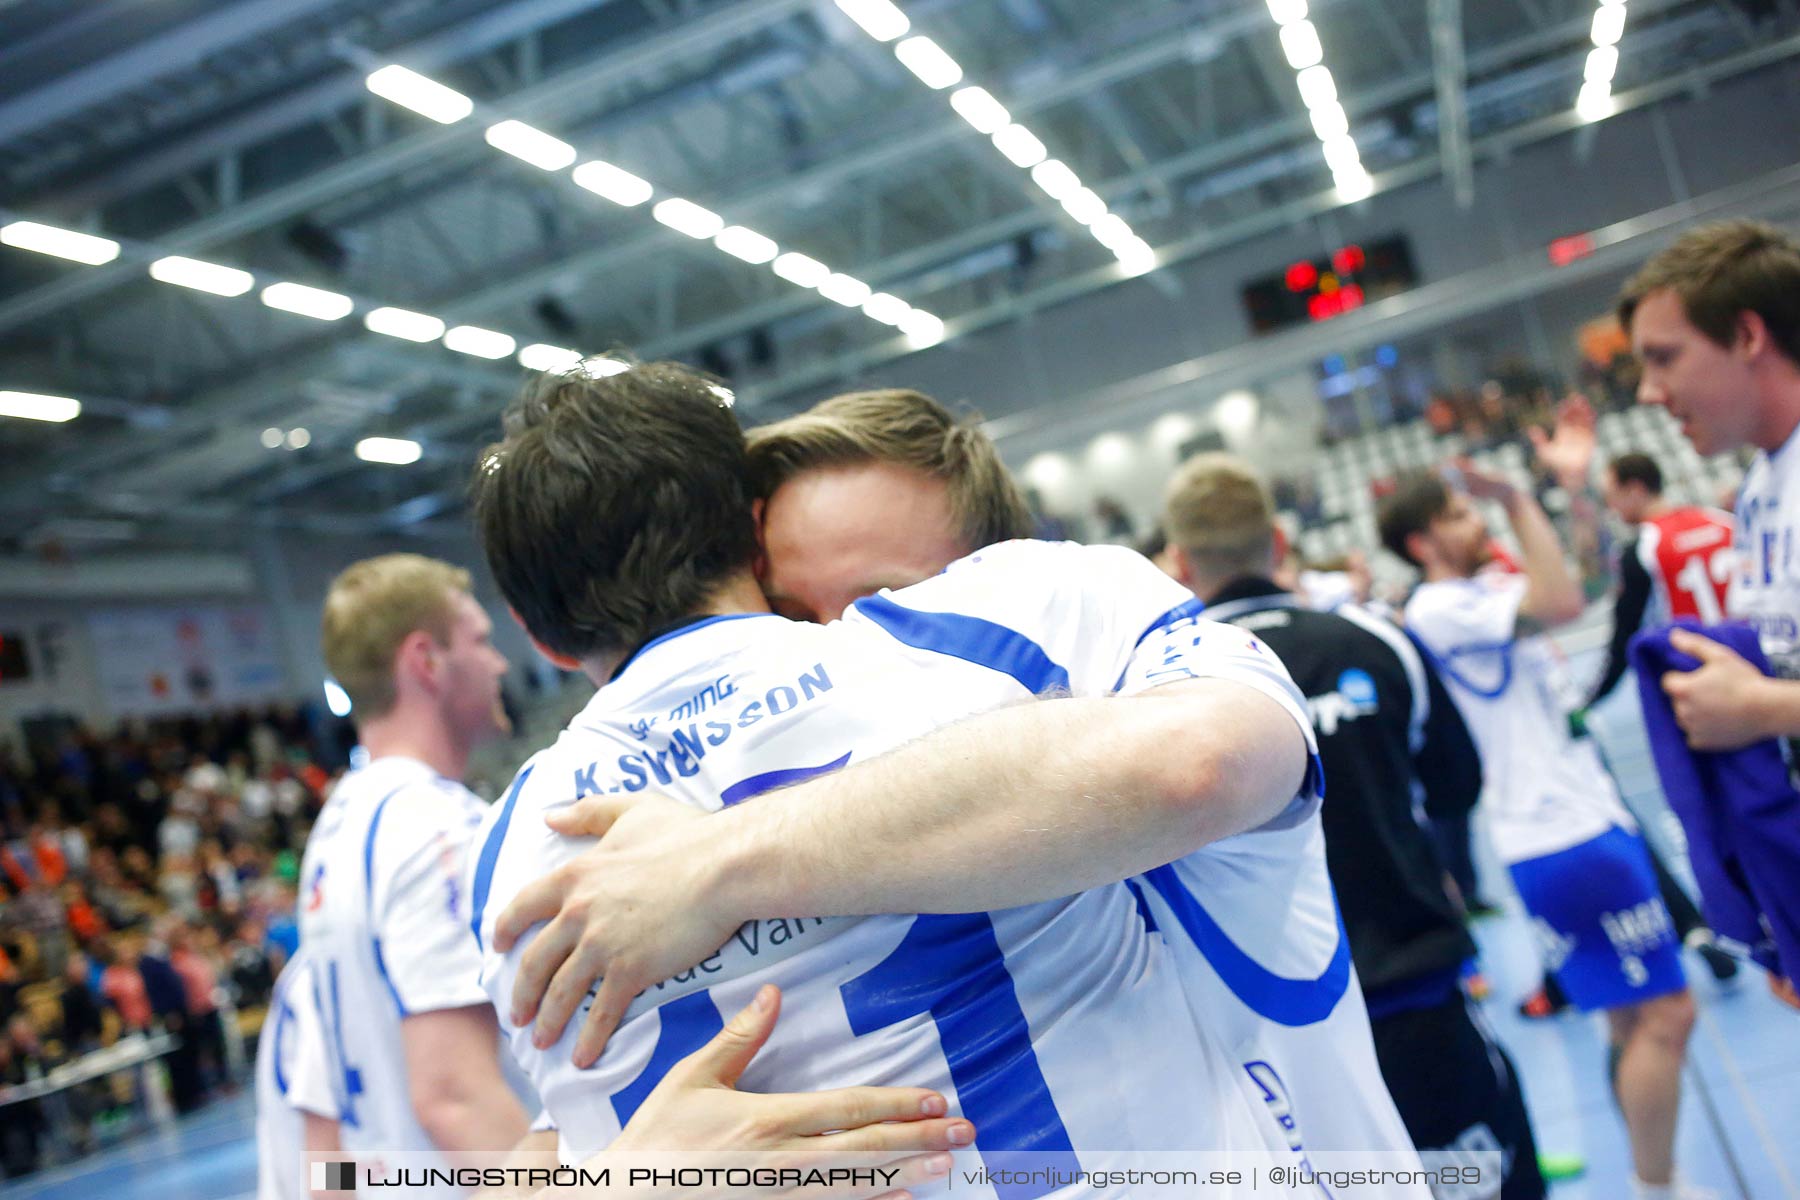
point(630, 911)
point(1783, 990)
point(1480, 484)
point(697, 1115)
point(1568, 451)
point(1719, 704)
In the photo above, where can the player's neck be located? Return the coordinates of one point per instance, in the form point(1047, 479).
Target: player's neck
point(738, 594)
point(1656, 511)
point(1781, 415)
point(416, 735)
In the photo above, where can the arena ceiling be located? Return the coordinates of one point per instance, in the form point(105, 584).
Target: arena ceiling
point(243, 133)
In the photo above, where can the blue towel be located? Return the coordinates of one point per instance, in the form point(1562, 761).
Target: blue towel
point(1739, 808)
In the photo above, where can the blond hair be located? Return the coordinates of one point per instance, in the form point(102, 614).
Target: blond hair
point(907, 429)
point(372, 607)
point(1721, 271)
point(1218, 511)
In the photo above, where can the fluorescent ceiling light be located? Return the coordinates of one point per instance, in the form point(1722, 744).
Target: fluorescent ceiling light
point(926, 59)
point(1111, 231)
point(684, 216)
point(298, 438)
point(922, 329)
point(1609, 24)
point(271, 438)
point(845, 290)
point(63, 243)
point(600, 366)
point(553, 360)
point(802, 270)
point(202, 276)
point(311, 302)
point(613, 183)
point(1354, 185)
point(398, 322)
point(1317, 87)
point(1020, 145)
point(397, 451)
point(1300, 42)
point(479, 342)
point(1602, 62)
point(31, 406)
point(1329, 121)
point(1286, 12)
point(1136, 257)
point(1085, 206)
point(1055, 177)
point(1595, 102)
point(1341, 155)
point(746, 244)
point(878, 18)
point(427, 97)
point(976, 106)
point(532, 145)
point(888, 309)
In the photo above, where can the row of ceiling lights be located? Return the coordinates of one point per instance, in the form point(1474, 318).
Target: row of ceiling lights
point(316, 303)
point(1318, 91)
point(936, 69)
point(447, 106)
point(1595, 100)
point(882, 20)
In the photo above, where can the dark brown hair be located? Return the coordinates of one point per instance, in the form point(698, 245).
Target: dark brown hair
point(1722, 271)
point(1417, 500)
point(615, 505)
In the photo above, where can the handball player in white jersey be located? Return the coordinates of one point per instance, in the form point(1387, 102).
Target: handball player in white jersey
point(617, 521)
point(1554, 815)
point(1715, 324)
point(410, 1039)
point(291, 1087)
point(881, 490)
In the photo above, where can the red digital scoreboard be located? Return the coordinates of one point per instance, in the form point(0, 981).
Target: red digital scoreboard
point(1311, 290)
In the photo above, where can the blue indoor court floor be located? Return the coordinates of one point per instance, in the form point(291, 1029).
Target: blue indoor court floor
point(1739, 1108)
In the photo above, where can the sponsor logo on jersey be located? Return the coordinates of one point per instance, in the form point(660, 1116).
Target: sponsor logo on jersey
point(1355, 697)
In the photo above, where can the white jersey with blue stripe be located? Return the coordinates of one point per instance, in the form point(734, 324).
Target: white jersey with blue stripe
point(1251, 921)
point(1059, 1028)
point(1543, 789)
point(290, 1079)
point(384, 920)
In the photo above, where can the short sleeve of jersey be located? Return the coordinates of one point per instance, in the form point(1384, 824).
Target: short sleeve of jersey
point(1089, 619)
point(307, 1073)
point(1055, 615)
point(1468, 616)
point(424, 945)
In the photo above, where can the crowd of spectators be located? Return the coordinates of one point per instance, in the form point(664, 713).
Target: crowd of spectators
point(147, 884)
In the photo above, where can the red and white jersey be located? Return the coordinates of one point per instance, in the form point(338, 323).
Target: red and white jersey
point(1688, 555)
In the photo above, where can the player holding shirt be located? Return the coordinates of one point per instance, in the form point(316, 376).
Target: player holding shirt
point(1028, 1014)
point(411, 1042)
point(1554, 816)
point(291, 1087)
point(1715, 325)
